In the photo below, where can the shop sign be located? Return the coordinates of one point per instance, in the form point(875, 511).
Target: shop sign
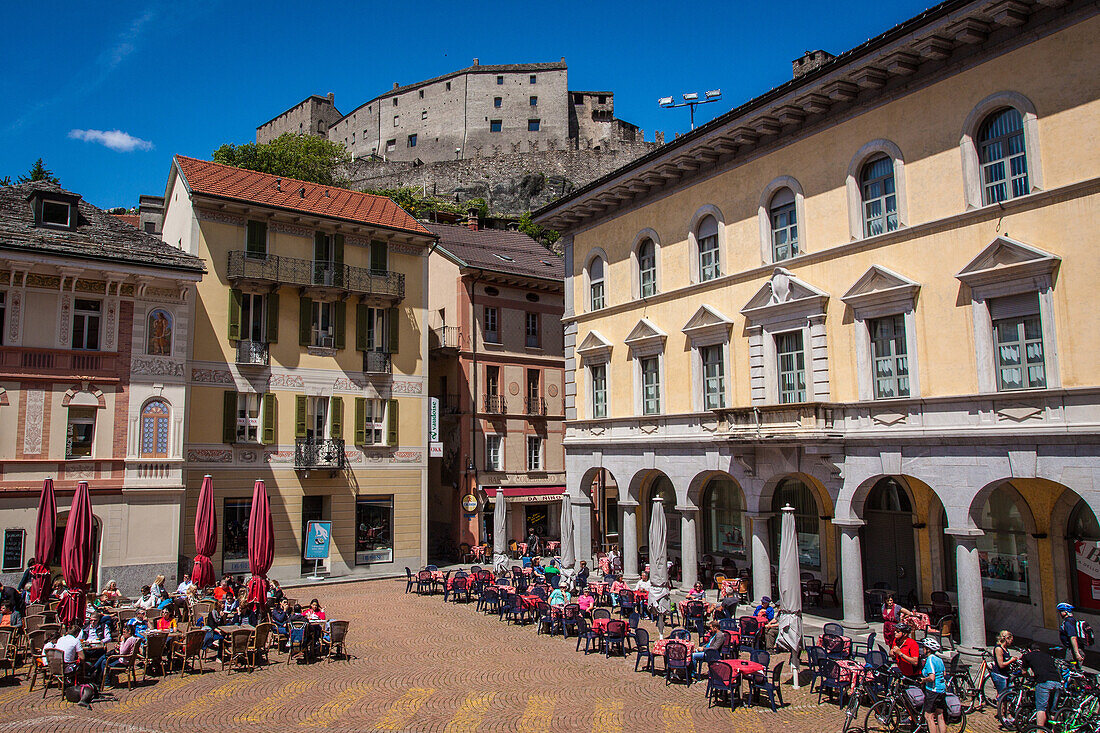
point(469, 503)
point(433, 423)
point(318, 536)
point(435, 450)
point(1087, 557)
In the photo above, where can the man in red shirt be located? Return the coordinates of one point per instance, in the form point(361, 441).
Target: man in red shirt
point(906, 651)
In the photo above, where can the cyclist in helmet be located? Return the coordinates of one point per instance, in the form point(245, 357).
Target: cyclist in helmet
point(1067, 632)
point(934, 676)
point(905, 651)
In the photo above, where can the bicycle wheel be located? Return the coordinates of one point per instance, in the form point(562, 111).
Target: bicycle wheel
point(851, 712)
point(1011, 705)
point(989, 692)
point(963, 688)
point(958, 727)
point(883, 717)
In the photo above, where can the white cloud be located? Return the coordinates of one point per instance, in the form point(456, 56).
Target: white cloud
point(117, 140)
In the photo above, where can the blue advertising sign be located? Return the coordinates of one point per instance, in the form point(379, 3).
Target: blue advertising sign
point(318, 536)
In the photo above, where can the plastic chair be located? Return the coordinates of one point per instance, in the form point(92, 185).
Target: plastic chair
point(409, 579)
point(828, 590)
point(830, 682)
point(600, 613)
point(767, 685)
point(695, 616)
point(489, 600)
point(545, 617)
point(719, 679)
point(626, 603)
point(587, 635)
point(863, 648)
point(833, 646)
point(569, 617)
point(761, 657)
point(332, 644)
point(834, 628)
point(424, 582)
point(126, 669)
point(190, 651)
point(641, 647)
point(156, 643)
point(677, 660)
point(876, 659)
point(615, 637)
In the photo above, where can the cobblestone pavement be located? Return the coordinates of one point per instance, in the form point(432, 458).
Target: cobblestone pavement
point(419, 665)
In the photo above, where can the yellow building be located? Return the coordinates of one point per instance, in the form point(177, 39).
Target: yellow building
point(307, 367)
point(865, 293)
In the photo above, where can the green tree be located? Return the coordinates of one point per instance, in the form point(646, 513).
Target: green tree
point(39, 172)
point(539, 233)
point(305, 157)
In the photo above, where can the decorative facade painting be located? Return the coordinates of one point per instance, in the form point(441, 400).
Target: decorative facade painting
point(154, 430)
point(160, 333)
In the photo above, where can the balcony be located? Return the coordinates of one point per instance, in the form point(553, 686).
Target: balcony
point(495, 404)
point(377, 362)
point(534, 406)
point(775, 422)
point(323, 454)
point(252, 353)
point(20, 361)
point(273, 269)
point(449, 404)
point(445, 338)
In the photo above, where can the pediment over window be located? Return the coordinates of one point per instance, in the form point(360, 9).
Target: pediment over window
point(879, 286)
point(708, 324)
point(1007, 259)
point(646, 338)
point(594, 348)
point(784, 295)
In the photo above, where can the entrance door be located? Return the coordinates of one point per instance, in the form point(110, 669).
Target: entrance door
point(888, 544)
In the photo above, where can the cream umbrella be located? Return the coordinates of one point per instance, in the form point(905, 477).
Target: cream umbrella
point(568, 551)
point(790, 591)
point(500, 534)
point(658, 562)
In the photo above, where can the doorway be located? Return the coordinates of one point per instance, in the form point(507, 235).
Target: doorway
point(888, 540)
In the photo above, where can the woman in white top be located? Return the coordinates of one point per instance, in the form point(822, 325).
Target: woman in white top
point(157, 589)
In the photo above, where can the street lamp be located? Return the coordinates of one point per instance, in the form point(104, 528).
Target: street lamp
point(691, 100)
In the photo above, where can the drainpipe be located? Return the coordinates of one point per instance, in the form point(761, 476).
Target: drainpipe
point(472, 458)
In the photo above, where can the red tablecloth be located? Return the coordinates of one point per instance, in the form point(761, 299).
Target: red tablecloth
point(919, 621)
point(641, 595)
point(847, 643)
point(478, 551)
point(605, 566)
point(744, 666)
point(529, 601)
point(660, 644)
point(438, 575)
point(551, 546)
point(599, 625)
point(601, 587)
point(852, 672)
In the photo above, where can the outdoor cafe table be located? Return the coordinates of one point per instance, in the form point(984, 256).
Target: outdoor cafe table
point(852, 672)
point(708, 607)
point(599, 625)
point(660, 644)
point(846, 646)
point(919, 621)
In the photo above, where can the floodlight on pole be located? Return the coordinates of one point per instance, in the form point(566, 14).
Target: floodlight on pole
point(691, 99)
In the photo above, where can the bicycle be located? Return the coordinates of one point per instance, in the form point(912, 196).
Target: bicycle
point(897, 713)
point(973, 695)
point(1075, 707)
point(866, 689)
point(1017, 702)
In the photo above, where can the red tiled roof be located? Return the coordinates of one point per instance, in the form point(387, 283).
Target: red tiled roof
point(225, 181)
point(131, 219)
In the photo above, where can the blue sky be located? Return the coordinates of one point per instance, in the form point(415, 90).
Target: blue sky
point(106, 93)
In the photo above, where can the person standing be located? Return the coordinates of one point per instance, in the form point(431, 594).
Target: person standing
point(532, 543)
point(934, 675)
point(905, 651)
point(1047, 680)
point(1067, 633)
point(1002, 661)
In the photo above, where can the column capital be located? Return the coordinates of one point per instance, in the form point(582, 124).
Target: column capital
point(760, 516)
point(963, 533)
point(628, 504)
point(686, 508)
point(848, 524)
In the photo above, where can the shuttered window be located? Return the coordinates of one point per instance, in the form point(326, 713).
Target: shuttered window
point(1018, 342)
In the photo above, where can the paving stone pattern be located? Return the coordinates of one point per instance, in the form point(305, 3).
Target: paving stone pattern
point(420, 665)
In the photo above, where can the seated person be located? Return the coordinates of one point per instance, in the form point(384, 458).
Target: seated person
point(9, 616)
point(127, 647)
point(697, 592)
point(536, 566)
point(147, 601)
point(166, 622)
point(582, 575)
point(314, 612)
point(157, 589)
point(764, 610)
point(771, 629)
point(617, 586)
point(231, 608)
point(139, 624)
point(716, 640)
point(96, 631)
point(558, 597)
point(280, 615)
point(111, 592)
point(586, 600)
point(275, 592)
point(551, 569)
point(185, 585)
point(73, 650)
point(220, 589)
point(211, 624)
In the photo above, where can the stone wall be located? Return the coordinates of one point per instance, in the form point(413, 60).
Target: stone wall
point(511, 184)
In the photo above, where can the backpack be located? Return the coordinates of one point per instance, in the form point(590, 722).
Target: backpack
point(1084, 631)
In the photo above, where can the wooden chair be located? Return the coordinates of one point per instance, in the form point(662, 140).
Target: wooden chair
point(202, 608)
point(7, 651)
point(54, 671)
point(50, 616)
point(130, 662)
point(33, 623)
point(237, 654)
point(125, 614)
point(156, 643)
point(35, 641)
point(333, 646)
point(33, 609)
point(258, 647)
point(191, 651)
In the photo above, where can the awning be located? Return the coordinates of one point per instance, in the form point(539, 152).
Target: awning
point(526, 494)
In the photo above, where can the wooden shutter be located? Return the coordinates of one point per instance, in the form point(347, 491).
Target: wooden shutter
point(299, 416)
point(273, 317)
point(378, 256)
point(305, 321)
point(336, 406)
point(391, 423)
point(339, 314)
point(319, 247)
point(235, 297)
point(338, 260)
point(256, 241)
point(267, 437)
point(229, 417)
point(393, 328)
point(362, 313)
point(360, 420)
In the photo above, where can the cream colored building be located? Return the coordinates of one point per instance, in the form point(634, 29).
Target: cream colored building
point(308, 368)
point(867, 293)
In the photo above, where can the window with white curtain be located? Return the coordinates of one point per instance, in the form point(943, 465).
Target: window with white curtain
point(710, 266)
point(880, 201)
point(647, 268)
point(1003, 156)
point(784, 223)
point(595, 283)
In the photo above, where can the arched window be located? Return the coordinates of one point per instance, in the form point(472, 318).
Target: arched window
point(710, 265)
point(596, 298)
point(1083, 537)
point(1003, 156)
point(724, 520)
point(1003, 546)
point(784, 224)
point(888, 496)
point(806, 519)
point(154, 429)
point(647, 268)
point(880, 205)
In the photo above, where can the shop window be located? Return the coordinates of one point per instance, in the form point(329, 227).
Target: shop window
point(725, 525)
point(1002, 549)
point(1084, 551)
point(81, 432)
point(373, 530)
point(235, 518)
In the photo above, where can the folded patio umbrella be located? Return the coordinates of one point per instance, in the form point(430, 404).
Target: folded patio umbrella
point(43, 544)
point(76, 557)
point(206, 535)
point(790, 591)
point(500, 534)
point(261, 546)
point(568, 551)
point(658, 560)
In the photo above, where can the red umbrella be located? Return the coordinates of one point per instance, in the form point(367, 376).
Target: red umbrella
point(76, 557)
point(261, 546)
point(206, 535)
point(43, 543)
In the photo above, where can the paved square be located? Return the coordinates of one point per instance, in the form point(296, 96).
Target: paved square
point(420, 665)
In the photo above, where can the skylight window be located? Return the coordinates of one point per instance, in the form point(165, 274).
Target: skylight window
point(506, 258)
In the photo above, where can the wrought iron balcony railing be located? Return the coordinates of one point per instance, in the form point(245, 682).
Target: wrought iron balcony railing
point(534, 406)
point(377, 362)
point(445, 337)
point(449, 404)
point(495, 403)
point(252, 353)
point(314, 453)
point(308, 273)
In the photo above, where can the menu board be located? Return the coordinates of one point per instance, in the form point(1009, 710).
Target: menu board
point(13, 549)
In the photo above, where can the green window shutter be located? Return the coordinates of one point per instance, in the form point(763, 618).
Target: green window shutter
point(340, 317)
point(299, 416)
point(378, 256)
point(360, 420)
point(256, 242)
point(305, 321)
point(361, 315)
point(229, 417)
point(273, 317)
point(391, 424)
point(318, 246)
point(393, 328)
point(338, 260)
point(235, 297)
point(268, 435)
point(336, 404)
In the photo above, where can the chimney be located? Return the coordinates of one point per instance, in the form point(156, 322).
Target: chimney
point(471, 219)
point(563, 59)
point(810, 61)
point(477, 61)
point(396, 85)
point(330, 98)
point(278, 184)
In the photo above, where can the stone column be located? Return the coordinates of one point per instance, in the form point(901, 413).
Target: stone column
point(761, 561)
point(971, 599)
point(628, 539)
point(582, 528)
point(689, 547)
point(851, 574)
